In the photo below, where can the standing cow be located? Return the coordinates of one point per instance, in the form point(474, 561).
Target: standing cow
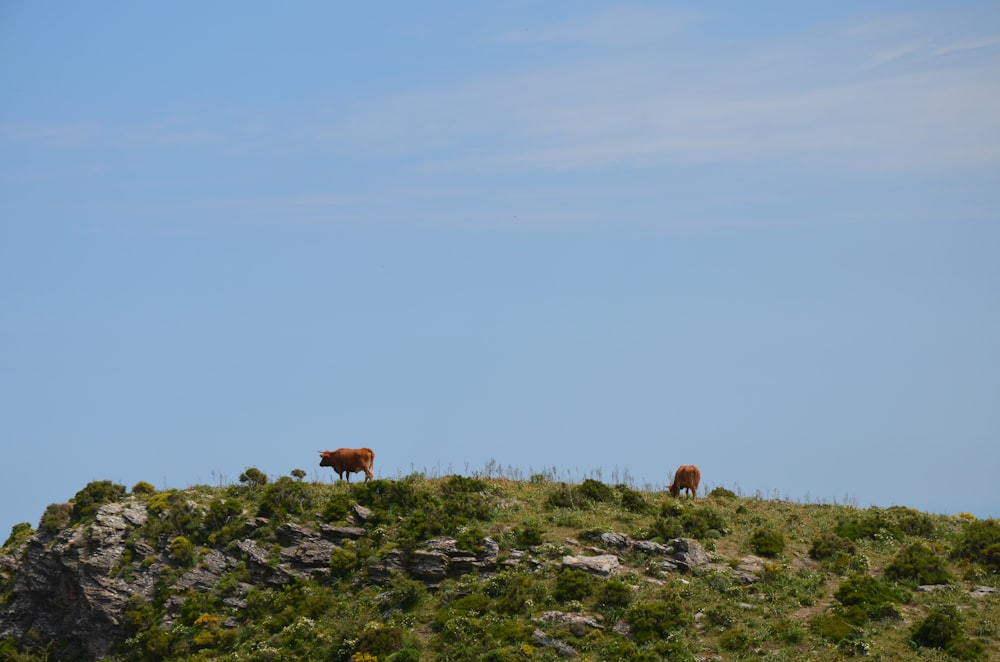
point(350, 460)
point(687, 478)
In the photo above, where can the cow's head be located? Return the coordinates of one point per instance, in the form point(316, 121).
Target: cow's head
point(325, 458)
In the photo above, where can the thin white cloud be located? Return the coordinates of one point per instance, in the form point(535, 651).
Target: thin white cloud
point(651, 111)
point(49, 135)
point(896, 53)
point(167, 132)
point(971, 44)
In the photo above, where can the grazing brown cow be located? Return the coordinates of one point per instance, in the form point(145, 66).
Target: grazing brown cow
point(687, 478)
point(350, 460)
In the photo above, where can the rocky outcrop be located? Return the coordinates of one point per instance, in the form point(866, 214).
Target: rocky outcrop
point(75, 584)
point(437, 560)
point(70, 586)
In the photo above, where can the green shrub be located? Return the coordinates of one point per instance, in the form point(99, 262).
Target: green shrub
point(143, 488)
point(18, 534)
point(864, 598)
point(529, 534)
point(384, 641)
point(466, 499)
point(869, 524)
point(419, 514)
point(614, 594)
point(633, 500)
point(831, 546)
point(655, 619)
point(703, 523)
point(789, 631)
point(224, 520)
point(671, 509)
point(404, 593)
point(471, 538)
point(665, 529)
point(991, 557)
point(912, 522)
point(895, 523)
point(978, 537)
point(392, 497)
point(573, 584)
point(563, 496)
point(720, 616)
point(464, 607)
point(942, 628)
point(343, 562)
point(182, 550)
point(966, 648)
point(938, 629)
point(735, 641)
point(835, 628)
point(55, 517)
point(297, 474)
point(172, 513)
point(918, 564)
point(88, 501)
point(722, 493)
point(767, 543)
point(677, 521)
point(512, 592)
point(253, 477)
point(337, 507)
point(284, 497)
point(596, 491)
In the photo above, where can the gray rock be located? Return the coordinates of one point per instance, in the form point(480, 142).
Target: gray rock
point(604, 565)
point(341, 533)
point(579, 624)
point(309, 555)
point(259, 564)
point(616, 540)
point(749, 569)
point(650, 547)
point(429, 566)
point(442, 557)
point(68, 586)
point(292, 534)
point(560, 647)
point(207, 574)
point(688, 553)
point(623, 628)
point(360, 514)
point(392, 563)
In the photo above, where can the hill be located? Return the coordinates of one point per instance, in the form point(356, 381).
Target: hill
point(489, 568)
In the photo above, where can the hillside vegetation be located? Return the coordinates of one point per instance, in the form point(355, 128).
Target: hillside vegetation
point(490, 568)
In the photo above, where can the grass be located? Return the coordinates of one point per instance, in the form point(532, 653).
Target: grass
point(821, 591)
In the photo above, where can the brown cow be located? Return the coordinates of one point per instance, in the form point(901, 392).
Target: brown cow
point(687, 478)
point(350, 460)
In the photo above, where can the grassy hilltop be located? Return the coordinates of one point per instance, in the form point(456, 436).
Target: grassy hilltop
point(231, 573)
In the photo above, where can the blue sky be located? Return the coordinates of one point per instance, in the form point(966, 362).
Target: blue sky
point(596, 237)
